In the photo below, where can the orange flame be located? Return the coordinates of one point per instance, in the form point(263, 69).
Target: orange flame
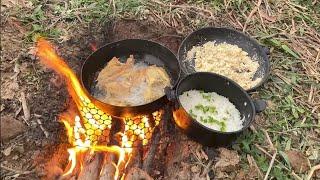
point(85, 132)
point(88, 125)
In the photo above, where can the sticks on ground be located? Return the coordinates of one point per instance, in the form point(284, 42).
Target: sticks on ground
point(26, 111)
point(254, 10)
point(270, 165)
point(313, 169)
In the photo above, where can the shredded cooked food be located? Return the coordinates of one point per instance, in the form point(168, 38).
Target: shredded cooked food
point(130, 83)
point(227, 60)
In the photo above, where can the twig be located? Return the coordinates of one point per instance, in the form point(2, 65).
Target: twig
point(269, 155)
point(207, 168)
point(267, 7)
point(186, 7)
point(254, 10)
point(43, 129)
point(296, 176)
point(313, 169)
point(26, 110)
point(113, 6)
point(294, 86)
point(159, 17)
point(269, 140)
point(262, 22)
point(254, 163)
point(296, 5)
point(310, 94)
point(270, 165)
point(16, 171)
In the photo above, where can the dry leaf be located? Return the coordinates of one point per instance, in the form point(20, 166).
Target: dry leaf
point(298, 161)
point(228, 160)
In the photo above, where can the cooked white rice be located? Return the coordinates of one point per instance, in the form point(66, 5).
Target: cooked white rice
point(212, 110)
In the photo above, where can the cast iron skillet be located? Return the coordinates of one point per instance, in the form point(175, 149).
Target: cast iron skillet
point(142, 50)
point(230, 36)
point(210, 82)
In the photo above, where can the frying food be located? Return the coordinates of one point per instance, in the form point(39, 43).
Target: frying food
point(130, 83)
point(212, 110)
point(227, 60)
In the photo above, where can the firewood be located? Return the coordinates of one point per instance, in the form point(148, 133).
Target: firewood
point(137, 174)
point(135, 160)
point(108, 169)
point(91, 167)
point(147, 164)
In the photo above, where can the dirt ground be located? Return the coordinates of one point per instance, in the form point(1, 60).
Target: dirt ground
point(41, 136)
point(32, 96)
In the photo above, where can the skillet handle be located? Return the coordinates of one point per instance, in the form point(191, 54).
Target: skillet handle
point(170, 94)
point(260, 105)
point(266, 50)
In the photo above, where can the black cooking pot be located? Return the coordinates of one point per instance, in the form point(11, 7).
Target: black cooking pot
point(145, 51)
point(230, 36)
point(210, 82)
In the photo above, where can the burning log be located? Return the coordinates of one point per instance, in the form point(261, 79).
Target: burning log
point(108, 169)
point(91, 167)
point(135, 159)
point(137, 174)
point(151, 153)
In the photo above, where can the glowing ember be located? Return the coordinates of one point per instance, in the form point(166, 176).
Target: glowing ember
point(88, 125)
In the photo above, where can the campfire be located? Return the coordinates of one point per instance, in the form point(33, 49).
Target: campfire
point(92, 132)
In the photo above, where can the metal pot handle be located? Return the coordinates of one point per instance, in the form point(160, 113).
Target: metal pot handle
point(260, 105)
point(170, 94)
point(265, 49)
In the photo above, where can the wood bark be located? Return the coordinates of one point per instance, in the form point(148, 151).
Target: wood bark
point(108, 168)
point(137, 174)
point(91, 167)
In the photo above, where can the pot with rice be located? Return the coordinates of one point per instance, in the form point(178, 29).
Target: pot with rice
point(212, 109)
